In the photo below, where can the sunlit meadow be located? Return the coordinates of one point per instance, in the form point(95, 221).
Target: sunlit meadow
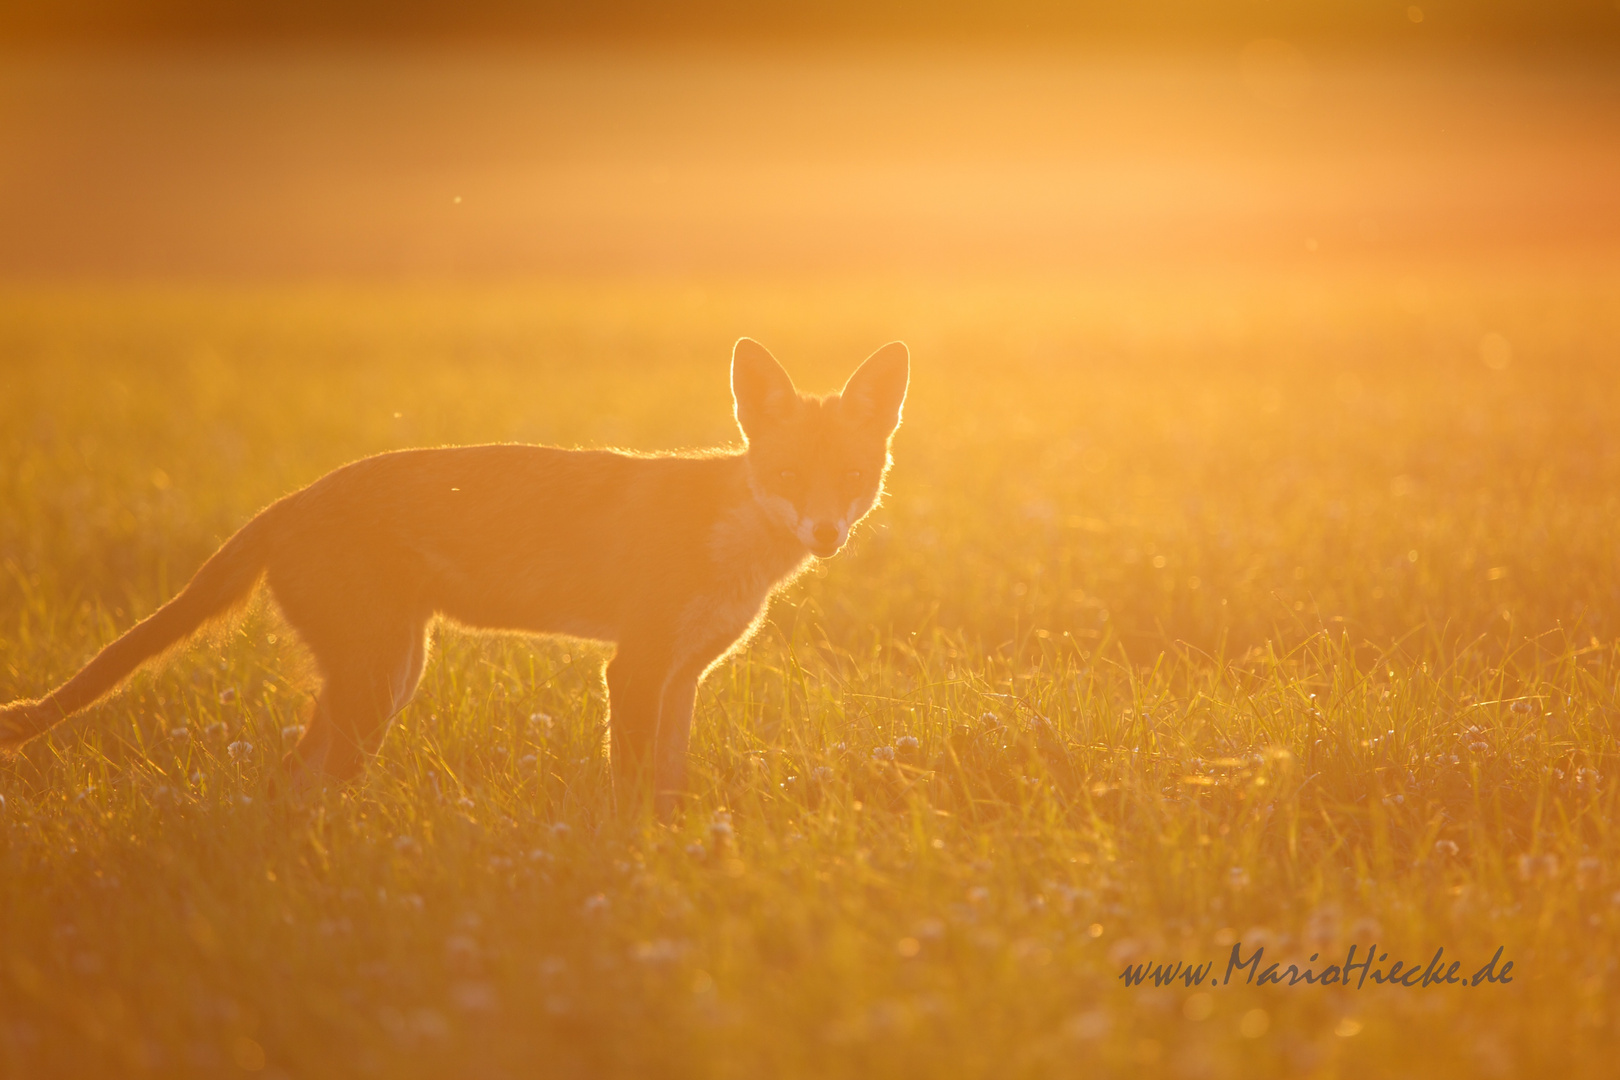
point(1259, 609)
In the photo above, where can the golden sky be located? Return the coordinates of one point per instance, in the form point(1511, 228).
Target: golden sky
point(1501, 23)
point(288, 163)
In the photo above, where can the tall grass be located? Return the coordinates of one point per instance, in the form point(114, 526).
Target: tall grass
point(1261, 611)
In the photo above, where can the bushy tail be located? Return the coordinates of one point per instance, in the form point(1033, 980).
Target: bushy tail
point(225, 580)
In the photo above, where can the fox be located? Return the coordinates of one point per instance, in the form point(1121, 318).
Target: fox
point(672, 558)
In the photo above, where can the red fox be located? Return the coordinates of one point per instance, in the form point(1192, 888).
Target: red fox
point(671, 557)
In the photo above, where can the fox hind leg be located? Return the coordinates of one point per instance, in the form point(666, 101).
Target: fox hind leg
point(366, 685)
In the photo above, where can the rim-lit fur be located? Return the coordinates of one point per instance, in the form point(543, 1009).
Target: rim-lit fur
point(673, 558)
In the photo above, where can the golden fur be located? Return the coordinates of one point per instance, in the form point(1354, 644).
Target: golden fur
point(672, 558)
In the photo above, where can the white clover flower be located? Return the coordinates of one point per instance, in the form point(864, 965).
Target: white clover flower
point(475, 997)
point(240, 750)
point(906, 742)
point(660, 951)
point(883, 753)
point(461, 950)
point(1535, 866)
point(1088, 1025)
point(430, 1024)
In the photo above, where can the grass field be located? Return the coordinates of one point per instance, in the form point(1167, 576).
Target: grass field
point(1281, 611)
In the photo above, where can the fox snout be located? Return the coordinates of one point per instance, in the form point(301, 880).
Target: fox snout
point(823, 525)
point(825, 539)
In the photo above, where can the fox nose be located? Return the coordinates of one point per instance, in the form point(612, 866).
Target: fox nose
point(825, 535)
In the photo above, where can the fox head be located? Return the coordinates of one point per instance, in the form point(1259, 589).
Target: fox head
point(816, 464)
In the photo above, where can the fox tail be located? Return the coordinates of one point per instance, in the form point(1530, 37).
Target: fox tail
point(226, 580)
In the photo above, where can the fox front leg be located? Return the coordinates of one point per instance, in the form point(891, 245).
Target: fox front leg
point(635, 681)
point(672, 740)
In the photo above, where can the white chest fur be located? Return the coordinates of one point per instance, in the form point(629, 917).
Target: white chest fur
point(755, 558)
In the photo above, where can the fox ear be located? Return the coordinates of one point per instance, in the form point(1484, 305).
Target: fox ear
point(760, 387)
point(877, 390)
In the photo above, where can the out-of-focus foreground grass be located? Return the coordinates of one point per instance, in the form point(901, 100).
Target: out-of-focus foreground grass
point(1278, 611)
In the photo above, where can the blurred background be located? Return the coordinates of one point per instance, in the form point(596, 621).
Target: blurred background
point(491, 138)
